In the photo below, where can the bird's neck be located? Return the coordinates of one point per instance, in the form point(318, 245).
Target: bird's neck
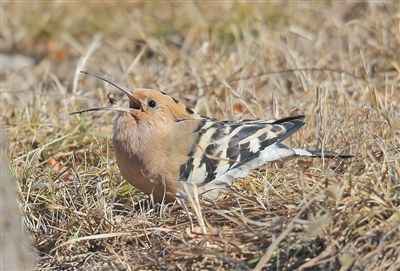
point(126, 135)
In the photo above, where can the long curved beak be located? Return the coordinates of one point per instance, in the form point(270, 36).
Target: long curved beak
point(107, 108)
point(134, 103)
point(126, 92)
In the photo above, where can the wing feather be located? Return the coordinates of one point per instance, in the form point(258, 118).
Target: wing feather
point(231, 148)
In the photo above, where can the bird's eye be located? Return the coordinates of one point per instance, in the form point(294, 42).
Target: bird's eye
point(152, 103)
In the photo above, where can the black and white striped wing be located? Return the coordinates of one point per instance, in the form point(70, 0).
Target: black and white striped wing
point(227, 150)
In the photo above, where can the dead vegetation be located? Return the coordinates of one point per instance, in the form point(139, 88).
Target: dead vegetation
point(336, 63)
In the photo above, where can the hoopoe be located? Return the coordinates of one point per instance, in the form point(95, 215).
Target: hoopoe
point(161, 145)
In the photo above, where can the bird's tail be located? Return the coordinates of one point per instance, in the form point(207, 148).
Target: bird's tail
point(320, 154)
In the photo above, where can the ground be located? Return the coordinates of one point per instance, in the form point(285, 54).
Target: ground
point(336, 62)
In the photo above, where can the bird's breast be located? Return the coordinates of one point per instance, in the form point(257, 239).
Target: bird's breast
point(143, 164)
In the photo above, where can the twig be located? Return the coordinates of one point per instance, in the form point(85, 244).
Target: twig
point(267, 256)
point(82, 62)
point(94, 237)
point(214, 83)
point(40, 149)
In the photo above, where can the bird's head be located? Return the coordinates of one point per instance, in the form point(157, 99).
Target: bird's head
point(146, 106)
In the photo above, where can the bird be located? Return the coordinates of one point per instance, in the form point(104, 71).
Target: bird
point(167, 150)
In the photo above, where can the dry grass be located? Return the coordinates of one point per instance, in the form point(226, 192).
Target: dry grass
point(338, 64)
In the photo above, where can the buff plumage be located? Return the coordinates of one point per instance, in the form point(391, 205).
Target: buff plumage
point(162, 147)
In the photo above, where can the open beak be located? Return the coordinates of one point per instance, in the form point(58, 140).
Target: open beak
point(135, 104)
